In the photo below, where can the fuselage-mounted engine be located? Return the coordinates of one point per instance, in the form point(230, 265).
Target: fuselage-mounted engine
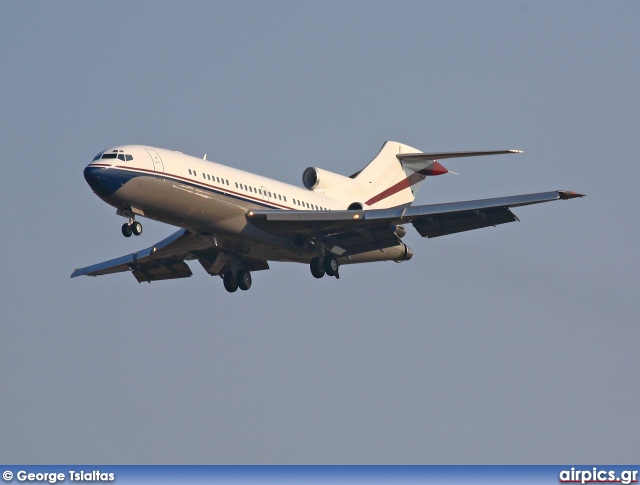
point(336, 186)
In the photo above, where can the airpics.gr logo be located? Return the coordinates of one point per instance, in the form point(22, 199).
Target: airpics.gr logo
point(594, 475)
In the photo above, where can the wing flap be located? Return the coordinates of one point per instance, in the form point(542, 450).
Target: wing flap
point(451, 223)
point(160, 270)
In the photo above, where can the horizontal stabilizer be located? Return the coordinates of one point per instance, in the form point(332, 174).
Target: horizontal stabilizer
point(442, 155)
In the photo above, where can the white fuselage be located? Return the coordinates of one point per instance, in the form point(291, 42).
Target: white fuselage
point(205, 197)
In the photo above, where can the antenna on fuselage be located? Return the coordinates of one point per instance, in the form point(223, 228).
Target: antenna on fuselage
point(205, 157)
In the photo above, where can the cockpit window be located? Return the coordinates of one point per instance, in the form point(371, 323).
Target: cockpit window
point(97, 157)
point(120, 156)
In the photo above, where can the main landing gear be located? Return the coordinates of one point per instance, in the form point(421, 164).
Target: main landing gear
point(240, 279)
point(327, 265)
point(131, 227)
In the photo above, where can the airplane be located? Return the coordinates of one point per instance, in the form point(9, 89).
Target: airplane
point(234, 222)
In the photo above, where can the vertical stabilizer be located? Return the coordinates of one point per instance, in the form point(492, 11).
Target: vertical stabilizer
point(390, 181)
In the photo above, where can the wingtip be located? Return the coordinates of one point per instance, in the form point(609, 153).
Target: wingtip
point(516, 151)
point(568, 194)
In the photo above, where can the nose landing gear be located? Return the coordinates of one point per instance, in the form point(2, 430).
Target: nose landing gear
point(132, 227)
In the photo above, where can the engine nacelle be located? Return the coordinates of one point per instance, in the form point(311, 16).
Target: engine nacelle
point(398, 253)
point(356, 206)
point(322, 180)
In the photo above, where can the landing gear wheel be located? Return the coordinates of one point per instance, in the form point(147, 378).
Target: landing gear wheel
point(331, 265)
point(230, 282)
point(136, 228)
point(243, 277)
point(317, 267)
point(126, 230)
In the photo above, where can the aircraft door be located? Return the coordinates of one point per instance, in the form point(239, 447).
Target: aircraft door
point(158, 166)
point(265, 194)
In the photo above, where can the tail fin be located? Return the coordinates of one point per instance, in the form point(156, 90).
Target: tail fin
point(395, 175)
point(391, 182)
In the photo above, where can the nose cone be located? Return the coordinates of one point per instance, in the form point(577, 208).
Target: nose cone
point(101, 181)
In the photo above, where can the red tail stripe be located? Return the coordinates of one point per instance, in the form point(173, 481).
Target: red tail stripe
point(434, 169)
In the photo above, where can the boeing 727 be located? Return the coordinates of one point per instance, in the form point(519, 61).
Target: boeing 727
point(234, 222)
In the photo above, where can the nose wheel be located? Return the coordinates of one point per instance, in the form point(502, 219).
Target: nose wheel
point(132, 227)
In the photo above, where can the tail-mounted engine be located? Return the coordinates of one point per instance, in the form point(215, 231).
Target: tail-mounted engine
point(332, 185)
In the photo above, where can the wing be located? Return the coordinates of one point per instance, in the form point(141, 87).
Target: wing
point(166, 259)
point(353, 232)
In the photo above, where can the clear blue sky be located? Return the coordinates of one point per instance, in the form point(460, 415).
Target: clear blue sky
point(510, 345)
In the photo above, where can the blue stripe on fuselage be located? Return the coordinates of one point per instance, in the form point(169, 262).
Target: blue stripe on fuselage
point(106, 181)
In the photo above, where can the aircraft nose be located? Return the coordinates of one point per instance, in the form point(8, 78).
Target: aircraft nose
point(100, 181)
